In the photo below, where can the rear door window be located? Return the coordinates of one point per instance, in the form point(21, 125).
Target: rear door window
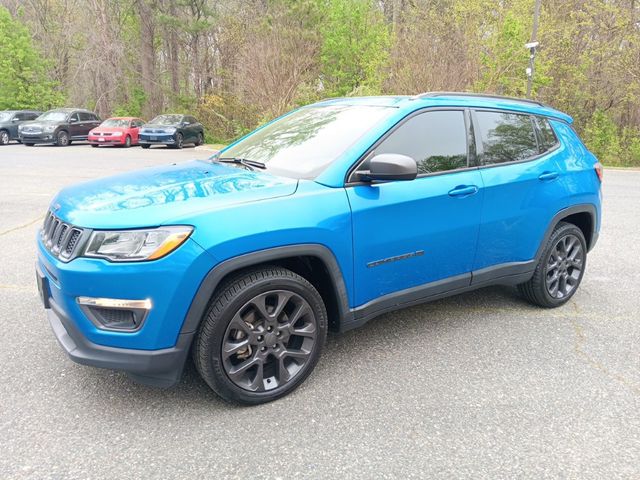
point(506, 137)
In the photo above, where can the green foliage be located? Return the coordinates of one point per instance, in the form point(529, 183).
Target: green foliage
point(23, 72)
point(611, 145)
point(133, 107)
point(355, 47)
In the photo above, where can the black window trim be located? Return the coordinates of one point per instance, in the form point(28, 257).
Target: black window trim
point(480, 148)
point(472, 157)
point(536, 123)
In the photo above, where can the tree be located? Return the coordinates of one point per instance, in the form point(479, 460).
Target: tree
point(23, 71)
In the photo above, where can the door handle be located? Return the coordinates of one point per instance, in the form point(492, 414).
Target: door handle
point(463, 191)
point(546, 176)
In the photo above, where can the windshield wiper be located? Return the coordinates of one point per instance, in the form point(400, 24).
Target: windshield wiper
point(250, 164)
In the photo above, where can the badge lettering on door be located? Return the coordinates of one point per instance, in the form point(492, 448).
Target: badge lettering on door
point(417, 253)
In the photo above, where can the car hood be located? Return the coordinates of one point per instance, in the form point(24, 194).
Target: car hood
point(41, 123)
point(109, 129)
point(150, 197)
point(155, 125)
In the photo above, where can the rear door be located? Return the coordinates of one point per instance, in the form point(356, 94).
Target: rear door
point(520, 172)
point(410, 233)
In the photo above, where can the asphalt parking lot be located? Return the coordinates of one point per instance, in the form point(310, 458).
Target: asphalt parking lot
point(475, 386)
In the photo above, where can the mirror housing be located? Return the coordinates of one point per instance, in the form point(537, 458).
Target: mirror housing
point(390, 166)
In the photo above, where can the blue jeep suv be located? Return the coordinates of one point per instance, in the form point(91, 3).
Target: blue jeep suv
point(323, 219)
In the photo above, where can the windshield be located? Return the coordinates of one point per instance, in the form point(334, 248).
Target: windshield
point(115, 122)
point(303, 143)
point(5, 116)
point(167, 119)
point(53, 116)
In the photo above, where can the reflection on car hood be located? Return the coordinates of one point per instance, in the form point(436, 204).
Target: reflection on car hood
point(155, 125)
point(42, 123)
point(150, 197)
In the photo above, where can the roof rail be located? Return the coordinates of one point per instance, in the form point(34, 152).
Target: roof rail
point(471, 94)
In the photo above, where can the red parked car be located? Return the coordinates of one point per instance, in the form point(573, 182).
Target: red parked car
point(121, 131)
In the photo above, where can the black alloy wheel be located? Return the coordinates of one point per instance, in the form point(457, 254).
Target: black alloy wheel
point(564, 267)
point(269, 341)
point(560, 268)
point(262, 336)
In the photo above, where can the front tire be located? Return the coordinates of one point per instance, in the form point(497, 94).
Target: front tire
point(179, 141)
point(4, 137)
point(144, 145)
point(62, 139)
point(560, 268)
point(94, 145)
point(262, 336)
point(127, 142)
point(200, 140)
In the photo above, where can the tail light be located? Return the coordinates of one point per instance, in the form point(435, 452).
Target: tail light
point(599, 171)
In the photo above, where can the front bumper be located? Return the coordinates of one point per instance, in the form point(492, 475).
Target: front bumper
point(162, 368)
point(37, 138)
point(106, 140)
point(156, 139)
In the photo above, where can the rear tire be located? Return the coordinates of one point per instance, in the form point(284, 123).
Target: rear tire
point(560, 268)
point(272, 324)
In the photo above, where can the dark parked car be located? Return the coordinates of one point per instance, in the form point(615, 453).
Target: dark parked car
point(10, 120)
point(60, 127)
point(173, 130)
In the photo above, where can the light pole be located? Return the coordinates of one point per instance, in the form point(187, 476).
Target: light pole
point(532, 45)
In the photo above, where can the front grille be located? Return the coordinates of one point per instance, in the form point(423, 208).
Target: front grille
point(60, 238)
point(28, 129)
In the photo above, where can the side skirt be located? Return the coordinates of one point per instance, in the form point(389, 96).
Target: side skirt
point(503, 274)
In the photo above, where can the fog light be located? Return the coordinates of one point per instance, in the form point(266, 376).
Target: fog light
point(115, 314)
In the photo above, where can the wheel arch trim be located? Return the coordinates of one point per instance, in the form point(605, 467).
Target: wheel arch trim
point(212, 280)
point(565, 212)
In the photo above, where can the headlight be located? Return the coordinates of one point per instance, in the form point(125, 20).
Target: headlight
point(170, 131)
point(136, 245)
point(49, 128)
point(20, 127)
point(116, 134)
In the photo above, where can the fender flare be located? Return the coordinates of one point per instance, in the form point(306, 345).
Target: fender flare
point(565, 212)
point(201, 300)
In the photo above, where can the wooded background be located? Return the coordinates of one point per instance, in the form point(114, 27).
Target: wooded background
point(237, 63)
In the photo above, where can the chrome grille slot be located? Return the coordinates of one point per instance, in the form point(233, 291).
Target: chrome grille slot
point(61, 239)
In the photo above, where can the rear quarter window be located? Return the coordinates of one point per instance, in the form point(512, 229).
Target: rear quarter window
point(546, 136)
point(506, 137)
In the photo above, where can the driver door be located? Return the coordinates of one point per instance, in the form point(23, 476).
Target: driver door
point(407, 234)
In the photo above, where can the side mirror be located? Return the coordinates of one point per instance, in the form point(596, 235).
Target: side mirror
point(390, 166)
